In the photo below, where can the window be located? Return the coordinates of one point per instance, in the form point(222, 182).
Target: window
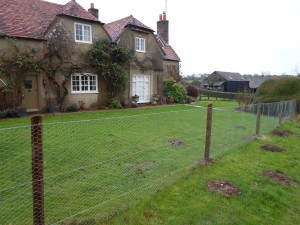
point(84, 83)
point(141, 87)
point(83, 33)
point(140, 44)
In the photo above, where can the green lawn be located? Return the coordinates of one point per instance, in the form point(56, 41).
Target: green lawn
point(261, 200)
point(97, 164)
point(206, 102)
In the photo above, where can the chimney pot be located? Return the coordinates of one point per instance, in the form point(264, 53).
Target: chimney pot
point(160, 17)
point(164, 16)
point(93, 11)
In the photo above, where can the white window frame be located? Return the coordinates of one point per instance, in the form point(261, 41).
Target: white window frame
point(84, 83)
point(140, 44)
point(134, 91)
point(83, 35)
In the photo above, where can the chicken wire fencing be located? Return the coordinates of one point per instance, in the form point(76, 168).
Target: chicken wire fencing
point(83, 172)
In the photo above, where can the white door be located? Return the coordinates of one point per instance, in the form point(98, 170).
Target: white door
point(141, 87)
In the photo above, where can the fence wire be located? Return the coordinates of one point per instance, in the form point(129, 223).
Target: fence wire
point(94, 169)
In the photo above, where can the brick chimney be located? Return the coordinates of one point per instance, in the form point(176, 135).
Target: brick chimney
point(93, 11)
point(163, 27)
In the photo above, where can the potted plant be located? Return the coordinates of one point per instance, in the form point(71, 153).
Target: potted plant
point(135, 98)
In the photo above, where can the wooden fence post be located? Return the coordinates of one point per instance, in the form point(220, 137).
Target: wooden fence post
point(37, 170)
point(208, 132)
point(258, 119)
point(280, 113)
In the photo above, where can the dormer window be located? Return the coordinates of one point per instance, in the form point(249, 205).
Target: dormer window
point(140, 44)
point(83, 33)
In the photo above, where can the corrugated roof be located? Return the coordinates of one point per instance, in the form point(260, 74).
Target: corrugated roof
point(31, 18)
point(116, 28)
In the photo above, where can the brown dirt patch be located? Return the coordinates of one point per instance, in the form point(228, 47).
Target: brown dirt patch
point(272, 148)
point(224, 187)
point(282, 133)
point(208, 162)
point(240, 127)
point(141, 167)
point(175, 142)
point(275, 176)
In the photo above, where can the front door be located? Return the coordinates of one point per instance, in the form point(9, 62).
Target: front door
point(141, 87)
point(30, 91)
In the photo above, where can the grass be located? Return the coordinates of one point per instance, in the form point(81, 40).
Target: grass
point(261, 201)
point(215, 103)
point(96, 164)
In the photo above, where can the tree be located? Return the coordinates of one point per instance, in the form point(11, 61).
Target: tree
point(16, 63)
point(111, 62)
point(58, 60)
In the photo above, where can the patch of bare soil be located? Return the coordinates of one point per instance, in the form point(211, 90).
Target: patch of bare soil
point(272, 148)
point(141, 167)
point(240, 127)
point(175, 142)
point(208, 162)
point(275, 176)
point(224, 187)
point(282, 133)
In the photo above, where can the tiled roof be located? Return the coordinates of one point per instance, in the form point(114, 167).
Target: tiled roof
point(170, 54)
point(73, 9)
point(229, 76)
point(31, 18)
point(116, 28)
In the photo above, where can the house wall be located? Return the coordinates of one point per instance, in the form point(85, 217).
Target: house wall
point(80, 50)
point(148, 63)
point(34, 47)
point(171, 70)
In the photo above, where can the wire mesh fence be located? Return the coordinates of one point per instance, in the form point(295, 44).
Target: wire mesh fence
point(93, 169)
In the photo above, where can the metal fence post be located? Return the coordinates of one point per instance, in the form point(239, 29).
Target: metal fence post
point(208, 132)
point(37, 170)
point(258, 119)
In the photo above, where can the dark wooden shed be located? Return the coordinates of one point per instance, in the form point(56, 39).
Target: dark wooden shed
point(226, 82)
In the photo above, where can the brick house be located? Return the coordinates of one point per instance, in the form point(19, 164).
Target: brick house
point(154, 59)
point(33, 22)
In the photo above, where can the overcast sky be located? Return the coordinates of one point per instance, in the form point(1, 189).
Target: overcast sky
point(245, 36)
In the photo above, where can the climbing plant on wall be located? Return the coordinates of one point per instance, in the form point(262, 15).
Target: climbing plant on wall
point(112, 63)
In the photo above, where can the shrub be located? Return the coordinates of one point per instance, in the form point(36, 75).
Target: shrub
point(192, 91)
point(244, 98)
point(281, 89)
point(115, 103)
point(72, 108)
point(174, 90)
point(3, 114)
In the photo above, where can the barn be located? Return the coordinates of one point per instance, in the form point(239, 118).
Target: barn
point(225, 82)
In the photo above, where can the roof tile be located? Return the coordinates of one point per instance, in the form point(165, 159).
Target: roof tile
point(31, 18)
point(116, 28)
